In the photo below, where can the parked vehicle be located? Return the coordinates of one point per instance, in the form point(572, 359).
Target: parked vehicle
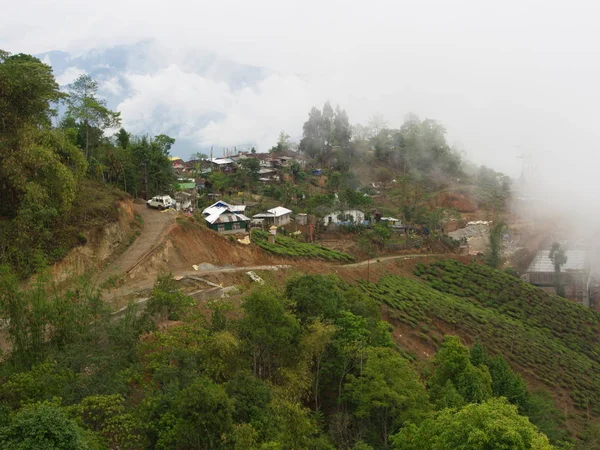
point(161, 202)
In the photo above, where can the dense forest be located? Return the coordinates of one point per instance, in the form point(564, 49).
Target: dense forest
point(309, 364)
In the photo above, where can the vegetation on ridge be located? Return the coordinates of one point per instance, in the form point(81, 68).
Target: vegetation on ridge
point(287, 246)
point(311, 367)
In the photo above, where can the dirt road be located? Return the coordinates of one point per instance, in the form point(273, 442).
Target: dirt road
point(388, 258)
point(154, 227)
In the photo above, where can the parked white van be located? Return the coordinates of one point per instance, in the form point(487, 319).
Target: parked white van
point(161, 202)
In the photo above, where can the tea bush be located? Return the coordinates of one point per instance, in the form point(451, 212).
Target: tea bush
point(285, 246)
point(549, 337)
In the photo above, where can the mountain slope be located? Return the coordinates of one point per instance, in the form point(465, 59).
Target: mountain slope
point(550, 340)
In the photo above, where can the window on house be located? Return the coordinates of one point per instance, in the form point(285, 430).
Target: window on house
point(236, 226)
point(220, 228)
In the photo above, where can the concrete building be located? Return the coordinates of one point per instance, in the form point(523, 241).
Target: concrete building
point(352, 215)
point(575, 275)
point(276, 216)
point(302, 219)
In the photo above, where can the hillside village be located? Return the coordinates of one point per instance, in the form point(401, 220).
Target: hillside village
point(462, 225)
point(367, 288)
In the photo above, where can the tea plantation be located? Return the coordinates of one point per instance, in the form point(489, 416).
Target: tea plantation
point(550, 338)
point(286, 246)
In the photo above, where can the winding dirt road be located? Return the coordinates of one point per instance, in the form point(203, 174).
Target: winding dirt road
point(155, 225)
point(388, 258)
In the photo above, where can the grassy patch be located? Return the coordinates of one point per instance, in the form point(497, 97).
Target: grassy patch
point(113, 282)
point(285, 246)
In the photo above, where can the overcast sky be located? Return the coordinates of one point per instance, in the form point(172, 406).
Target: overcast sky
point(503, 77)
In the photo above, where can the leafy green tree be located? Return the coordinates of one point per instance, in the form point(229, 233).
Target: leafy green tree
point(559, 259)
point(199, 156)
point(354, 199)
point(296, 171)
point(154, 169)
point(84, 105)
point(347, 353)
point(387, 394)
point(164, 143)
point(251, 167)
point(42, 383)
point(245, 437)
point(324, 131)
point(313, 351)
point(167, 301)
point(381, 234)
point(123, 137)
point(283, 143)
point(334, 181)
point(201, 417)
point(494, 424)
point(342, 132)
point(453, 368)
point(269, 331)
point(493, 254)
point(316, 296)
point(251, 397)
point(389, 148)
point(39, 166)
point(27, 87)
point(493, 188)
point(42, 426)
point(313, 141)
point(220, 181)
point(297, 427)
point(479, 354)
point(507, 383)
point(107, 416)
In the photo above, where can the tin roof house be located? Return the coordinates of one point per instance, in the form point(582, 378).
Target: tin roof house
point(278, 216)
point(575, 274)
point(225, 218)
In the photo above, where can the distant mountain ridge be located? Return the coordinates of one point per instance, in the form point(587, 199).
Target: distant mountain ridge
point(114, 69)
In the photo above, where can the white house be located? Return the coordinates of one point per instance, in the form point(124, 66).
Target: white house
point(352, 215)
point(277, 216)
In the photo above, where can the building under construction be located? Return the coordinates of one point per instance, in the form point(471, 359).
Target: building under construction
point(575, 275)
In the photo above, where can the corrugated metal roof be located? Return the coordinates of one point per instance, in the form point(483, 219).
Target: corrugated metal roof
point(218, 206)
point(226, 216)
point(279, 211)
point(576, 261)
point(263, 215)
point(222, 161)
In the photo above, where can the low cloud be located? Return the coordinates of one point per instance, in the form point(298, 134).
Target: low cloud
point(69, 75)
point(192, 107)
point(112, 86)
